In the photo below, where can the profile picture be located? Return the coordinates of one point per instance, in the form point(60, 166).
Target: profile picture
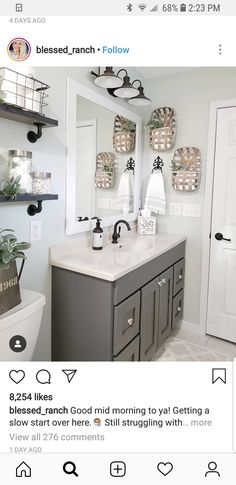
point(19, 49)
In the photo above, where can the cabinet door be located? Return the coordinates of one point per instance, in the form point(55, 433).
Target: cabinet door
point(165, 283)
point(130, 353)
point(178, 282)
point(177, 310)
point(149, 319)
point(126, 322)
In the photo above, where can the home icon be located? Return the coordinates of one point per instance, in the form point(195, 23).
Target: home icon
point(23, 470)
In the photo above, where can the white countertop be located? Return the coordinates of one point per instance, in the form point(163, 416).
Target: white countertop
point(114, 260)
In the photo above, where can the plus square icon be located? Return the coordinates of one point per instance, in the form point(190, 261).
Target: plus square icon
point(117, 469)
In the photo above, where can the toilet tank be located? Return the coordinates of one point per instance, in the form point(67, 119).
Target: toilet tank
point(19, 327)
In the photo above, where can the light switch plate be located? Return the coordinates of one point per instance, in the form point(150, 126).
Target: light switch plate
point(191, 210)
point(35, 231)
point(175, 209)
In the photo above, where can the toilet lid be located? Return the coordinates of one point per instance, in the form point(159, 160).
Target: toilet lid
point(31, 302)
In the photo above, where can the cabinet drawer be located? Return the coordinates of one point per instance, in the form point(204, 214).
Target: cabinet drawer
point(130, 353)
point(126, 322)
point(178, 276)
point(177, 309)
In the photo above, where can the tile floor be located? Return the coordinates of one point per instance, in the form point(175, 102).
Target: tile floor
point(184, 345)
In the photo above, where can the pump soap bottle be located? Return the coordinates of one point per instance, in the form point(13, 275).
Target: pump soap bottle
point(97, 235)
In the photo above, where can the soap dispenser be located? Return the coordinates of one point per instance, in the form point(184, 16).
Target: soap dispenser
point(97, 235)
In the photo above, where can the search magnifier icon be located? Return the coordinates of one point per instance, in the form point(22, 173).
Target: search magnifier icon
point(69, 468)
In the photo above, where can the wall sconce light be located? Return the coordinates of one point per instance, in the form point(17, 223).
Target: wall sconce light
point(127, 90)
point(121, 88)
point(141, 99)
point(108, 79)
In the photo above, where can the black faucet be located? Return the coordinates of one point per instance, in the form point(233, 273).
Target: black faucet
point(116, 235)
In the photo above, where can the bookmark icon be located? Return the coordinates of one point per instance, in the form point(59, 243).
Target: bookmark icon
point(70, 374)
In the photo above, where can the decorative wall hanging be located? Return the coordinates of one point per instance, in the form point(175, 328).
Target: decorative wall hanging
point(105, 170)
point(124, 135)
point(162, 127)
point(186, 166)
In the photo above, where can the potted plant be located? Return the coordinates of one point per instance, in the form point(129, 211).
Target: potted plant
point(10, 251)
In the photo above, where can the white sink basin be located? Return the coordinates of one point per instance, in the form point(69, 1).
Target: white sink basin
point(134, 245)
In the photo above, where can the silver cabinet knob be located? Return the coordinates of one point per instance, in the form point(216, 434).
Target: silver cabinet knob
point(179, 309)
point(130, 321)
point(163, 281)
point(160, 283)
point(180, 276)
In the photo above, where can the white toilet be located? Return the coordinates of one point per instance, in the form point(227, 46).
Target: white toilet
point(19, 327)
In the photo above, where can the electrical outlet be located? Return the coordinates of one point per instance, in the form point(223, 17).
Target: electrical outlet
point(191, 210)
point(175, 209)
point(35, 231)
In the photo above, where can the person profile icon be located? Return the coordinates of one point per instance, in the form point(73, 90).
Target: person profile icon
point(212, 468)
point(19, 49)
point(17, 345)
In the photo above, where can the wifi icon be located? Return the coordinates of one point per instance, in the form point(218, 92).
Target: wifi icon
point(142, 6)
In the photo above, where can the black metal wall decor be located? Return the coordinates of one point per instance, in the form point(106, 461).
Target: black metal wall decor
point(157, 164)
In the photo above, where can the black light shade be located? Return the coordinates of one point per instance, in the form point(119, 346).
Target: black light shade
point(108, 79)
point(141, 99)
point(127, 90)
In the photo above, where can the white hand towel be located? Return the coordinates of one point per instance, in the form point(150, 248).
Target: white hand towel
point(125, 195)
point(155, 199)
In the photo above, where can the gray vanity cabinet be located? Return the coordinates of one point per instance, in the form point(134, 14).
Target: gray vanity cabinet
point(149, 319)
point(156, 313)
point(165, 305)
point(122, 320)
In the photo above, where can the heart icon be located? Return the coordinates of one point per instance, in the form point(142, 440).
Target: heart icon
point(165, 468)
point(17, 376)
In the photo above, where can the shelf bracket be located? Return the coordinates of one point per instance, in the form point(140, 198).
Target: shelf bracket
point(32, 136)
point(34, 209)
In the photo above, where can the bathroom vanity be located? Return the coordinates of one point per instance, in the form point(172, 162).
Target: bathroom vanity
point(118, 304)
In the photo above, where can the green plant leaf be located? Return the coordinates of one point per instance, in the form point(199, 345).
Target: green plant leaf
point(6, 258)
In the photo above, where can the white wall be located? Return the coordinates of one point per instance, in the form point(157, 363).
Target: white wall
point(190, 94)
point(49, 155)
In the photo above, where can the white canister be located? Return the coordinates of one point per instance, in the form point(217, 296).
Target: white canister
point(41, 182)
point(20, 162)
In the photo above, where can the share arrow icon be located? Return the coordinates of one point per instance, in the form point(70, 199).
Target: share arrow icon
point(70, 373)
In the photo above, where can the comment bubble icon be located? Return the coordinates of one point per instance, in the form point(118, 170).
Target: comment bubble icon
point(43, 376)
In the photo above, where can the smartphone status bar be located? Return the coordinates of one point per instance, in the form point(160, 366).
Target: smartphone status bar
point(119, 8)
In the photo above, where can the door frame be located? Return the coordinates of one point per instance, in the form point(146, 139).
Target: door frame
point(208, 203)
point(93, 124)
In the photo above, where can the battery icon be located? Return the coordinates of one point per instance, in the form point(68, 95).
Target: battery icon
point(183, 7)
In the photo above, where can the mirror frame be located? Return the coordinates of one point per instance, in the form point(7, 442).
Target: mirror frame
point(75, 89)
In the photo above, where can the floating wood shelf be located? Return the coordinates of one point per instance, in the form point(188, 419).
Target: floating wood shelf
point(15, 113)
point(32, 208)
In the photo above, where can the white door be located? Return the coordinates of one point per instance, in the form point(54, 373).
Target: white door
point(221, 318)
point(85, 168)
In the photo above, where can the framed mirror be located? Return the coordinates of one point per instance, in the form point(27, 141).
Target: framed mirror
point(103, 139)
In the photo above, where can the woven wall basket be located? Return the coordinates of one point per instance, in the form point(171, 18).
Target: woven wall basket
point(105, 170)
point(123, 141)
point(186, 169)
point(163, 138)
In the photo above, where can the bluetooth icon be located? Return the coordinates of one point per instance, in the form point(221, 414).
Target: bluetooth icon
point(130, 7)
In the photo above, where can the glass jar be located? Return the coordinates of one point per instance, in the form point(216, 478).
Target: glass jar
point(20, 162)
point(41, 182)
